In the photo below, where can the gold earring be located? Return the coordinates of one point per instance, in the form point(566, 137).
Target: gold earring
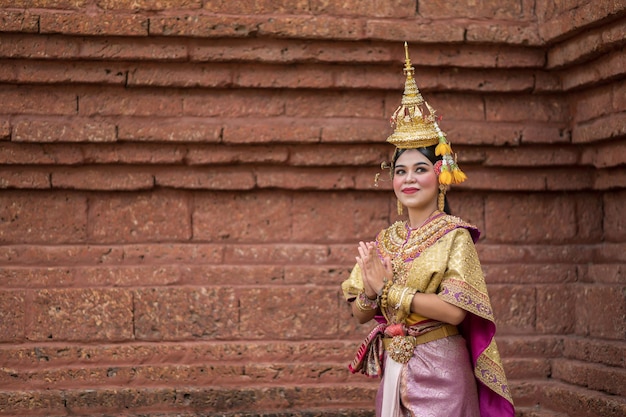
point(441, 198)
point(400, 208)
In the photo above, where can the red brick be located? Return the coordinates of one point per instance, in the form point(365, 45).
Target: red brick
point(317, 275)
point(304, 178)
point(607, 273)
point(5, 131)
point(71, 72)
point(34, 403)
point(610, 126)
point(273, 132)
point(35, 154)
point(133, 153)
point(18, 21)
point(531, 218)
point(526, 368)
point(531, 346)
point(186, 313)
point(605, 155)
point(355, 131)
point(312, 27)
point(592, 376)
point(592, 303)
point(414, 30)
point(546, 134)
point(614, 223)
point(339, 155)
point(514, 308)
point(114, 276)
point(326, 223)
point(48, 218)
point(605, 68)
point(37, 46)
point(481, 133)
point(142, 49)
point(223, 274)
point(202, 155)
point(143, 5)
point(108, 178)
point(80, 315)
point(589, 214)
point(242, 217)
point(524, 273)
point(8, 72)
point(505, 10)
point(182, 75)
point(12, 316)
point(37, 100)
point(556, 306)
point(205, 178)
point(24, 178)
point(74, 130)
point(226, 103)
point(610, 252)
point(500, 179)
point(531, 156)
point(593, 103)
point(608, 179)
point(258, 7)
point(297, 312)
point(172, 253)
point(523, 109)
point(139, 217)
point(606, 352)
point(112, 24)
point(290, 76)
point(403, 8)
point(301, 253)
point(522, 33)
point(570, 179)
point(37, 255)
point(569, 400)
point(206, 26)
point(113, 102)
point(178, 130)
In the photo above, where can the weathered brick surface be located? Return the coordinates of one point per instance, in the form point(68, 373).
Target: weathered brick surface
point(80, 315)
point(183, 185)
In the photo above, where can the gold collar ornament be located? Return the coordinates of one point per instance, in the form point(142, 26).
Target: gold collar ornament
point(415, 126)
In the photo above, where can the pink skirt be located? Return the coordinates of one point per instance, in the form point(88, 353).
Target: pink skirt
point(437, 382)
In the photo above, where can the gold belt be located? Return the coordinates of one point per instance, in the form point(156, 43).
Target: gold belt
point(400, 348)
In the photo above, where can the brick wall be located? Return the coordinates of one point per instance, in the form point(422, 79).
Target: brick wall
point(183, 184)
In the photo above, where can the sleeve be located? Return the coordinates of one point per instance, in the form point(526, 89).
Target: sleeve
point(463, 283)
point(353, 285)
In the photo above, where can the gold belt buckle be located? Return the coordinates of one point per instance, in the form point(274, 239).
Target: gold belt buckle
point(401, 348)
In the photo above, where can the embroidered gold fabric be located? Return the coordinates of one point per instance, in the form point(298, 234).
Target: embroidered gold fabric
point(440, 257)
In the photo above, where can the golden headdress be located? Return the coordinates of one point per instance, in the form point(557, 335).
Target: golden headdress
point(415, 126)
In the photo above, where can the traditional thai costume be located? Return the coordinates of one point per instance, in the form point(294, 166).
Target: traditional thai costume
point(430, 368)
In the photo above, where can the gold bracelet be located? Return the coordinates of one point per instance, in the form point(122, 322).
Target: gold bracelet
point(364, 303)
point(407, 301)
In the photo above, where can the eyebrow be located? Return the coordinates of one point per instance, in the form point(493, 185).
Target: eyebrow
point(417, 164)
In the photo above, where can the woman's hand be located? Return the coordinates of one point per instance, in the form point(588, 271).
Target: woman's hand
point(374, 270)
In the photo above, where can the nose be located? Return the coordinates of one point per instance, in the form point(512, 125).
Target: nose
point(410, 177)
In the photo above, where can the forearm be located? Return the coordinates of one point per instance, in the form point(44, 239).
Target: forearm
point(433, 307)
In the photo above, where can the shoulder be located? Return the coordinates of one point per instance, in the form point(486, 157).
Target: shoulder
point(461, 226)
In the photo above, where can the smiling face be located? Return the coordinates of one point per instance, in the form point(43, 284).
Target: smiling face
point(415, 181)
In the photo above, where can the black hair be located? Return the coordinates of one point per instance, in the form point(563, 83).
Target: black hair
point(428, 152)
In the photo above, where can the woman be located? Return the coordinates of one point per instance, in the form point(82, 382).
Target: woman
point(421, 281)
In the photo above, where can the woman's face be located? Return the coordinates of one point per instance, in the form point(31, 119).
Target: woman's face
point(415, 181)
